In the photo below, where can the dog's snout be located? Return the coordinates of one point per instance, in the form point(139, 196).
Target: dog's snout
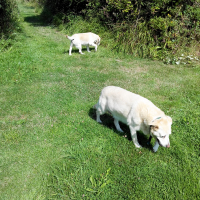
point(168, 146)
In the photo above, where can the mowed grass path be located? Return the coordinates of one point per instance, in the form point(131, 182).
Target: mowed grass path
point(51, 147)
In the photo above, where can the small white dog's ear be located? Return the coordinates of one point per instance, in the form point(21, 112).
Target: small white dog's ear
point(154, 127)
point(169, 119)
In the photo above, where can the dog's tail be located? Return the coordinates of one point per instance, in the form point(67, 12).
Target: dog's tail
point(70, 38)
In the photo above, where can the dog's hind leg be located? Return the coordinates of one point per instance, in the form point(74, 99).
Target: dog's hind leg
point(100, 108)
point(116, 122)
point(134, 136)
point(98, 117)
point(88, 48)
point(70, 49)
point(98, 112)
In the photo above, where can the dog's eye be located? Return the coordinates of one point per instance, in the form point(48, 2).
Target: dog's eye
point(163, 136)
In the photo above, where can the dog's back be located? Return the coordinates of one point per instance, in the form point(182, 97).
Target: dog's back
point(85, 38)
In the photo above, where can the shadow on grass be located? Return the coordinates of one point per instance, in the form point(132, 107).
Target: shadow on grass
point(35, 20)
point(76, 51)
point(108, 121)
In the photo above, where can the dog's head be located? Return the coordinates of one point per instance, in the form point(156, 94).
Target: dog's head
point(97, 41)
point(161, 129)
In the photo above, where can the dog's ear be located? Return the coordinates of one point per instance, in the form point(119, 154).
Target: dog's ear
point(169, 119)
point(96, 42)
point(154, 127)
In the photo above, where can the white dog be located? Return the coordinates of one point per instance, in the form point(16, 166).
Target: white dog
point(137, 112)
point(85, 39)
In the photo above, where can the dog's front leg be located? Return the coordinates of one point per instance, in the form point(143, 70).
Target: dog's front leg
point(155, 148)
point(95, 47)
point(134, 137)
point(116, 122)
point(148, 143)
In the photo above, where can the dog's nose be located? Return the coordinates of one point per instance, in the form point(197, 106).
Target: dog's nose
point(168, 146)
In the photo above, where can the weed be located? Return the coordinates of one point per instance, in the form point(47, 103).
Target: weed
point(99, 183)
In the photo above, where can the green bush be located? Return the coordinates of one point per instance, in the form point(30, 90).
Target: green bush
point(61, 8)
point(8, 17)
point(155, 28)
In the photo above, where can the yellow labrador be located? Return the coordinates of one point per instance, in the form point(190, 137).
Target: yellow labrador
point(85, 39)
point(137, 112)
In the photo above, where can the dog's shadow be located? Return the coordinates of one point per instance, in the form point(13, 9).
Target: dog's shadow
point(76, 51)
point(108, 121)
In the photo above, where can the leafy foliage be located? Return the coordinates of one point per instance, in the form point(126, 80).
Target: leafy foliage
point(8, 17)
point(63, 7)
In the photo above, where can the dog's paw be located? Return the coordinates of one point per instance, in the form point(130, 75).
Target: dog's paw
point(155, 149)
point(138, 146)
point(120, 130)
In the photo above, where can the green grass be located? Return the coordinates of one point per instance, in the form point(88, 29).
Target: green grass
point(51, 147)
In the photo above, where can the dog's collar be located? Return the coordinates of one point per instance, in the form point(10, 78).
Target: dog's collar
point(156, 118)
